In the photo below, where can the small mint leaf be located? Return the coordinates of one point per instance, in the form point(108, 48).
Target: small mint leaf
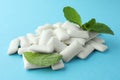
point(72, 15)
point(87, 25)
point(101, 28)
point(42, 59)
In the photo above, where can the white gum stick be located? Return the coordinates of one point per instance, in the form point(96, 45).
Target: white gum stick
point(78, 34)
point(41, 48)
point(99, 40)
point(90, 47)
point(45, 36)
point(85, 51)
point(24, 42)
point(61, 34)
point(50, 44)
point(98, 46)
point(13, 47)
point(80, 40)
point(71, 51)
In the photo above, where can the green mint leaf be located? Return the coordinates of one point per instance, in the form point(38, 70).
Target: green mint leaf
point(90, 22)
point(101, 28)
point(87, 25)
point(42, 59)
point(72, 15)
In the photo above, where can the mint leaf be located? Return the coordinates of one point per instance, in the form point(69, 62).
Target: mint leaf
point(87, 25)
point(94, 26)
point(90, 22)
point(72, 15)
point(42, 59)
point(101, 28)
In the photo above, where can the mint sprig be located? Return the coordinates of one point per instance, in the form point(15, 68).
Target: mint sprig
point(42, 59)
point(72, 15)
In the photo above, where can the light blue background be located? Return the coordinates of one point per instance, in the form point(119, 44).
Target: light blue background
point(18, 17)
